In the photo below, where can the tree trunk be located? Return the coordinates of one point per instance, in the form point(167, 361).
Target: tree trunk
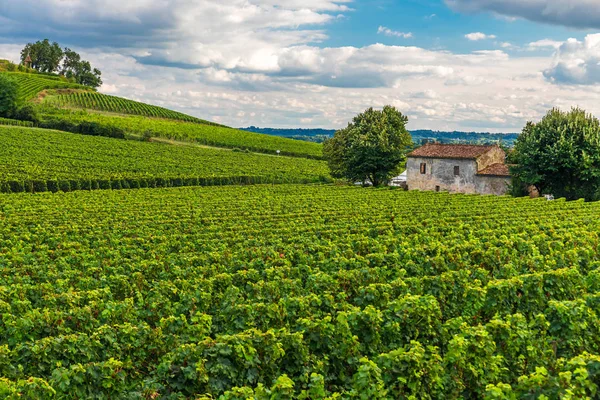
point(374, 180)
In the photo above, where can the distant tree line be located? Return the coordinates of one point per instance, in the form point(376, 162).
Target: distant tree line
point(50, 58)
point(420, 136)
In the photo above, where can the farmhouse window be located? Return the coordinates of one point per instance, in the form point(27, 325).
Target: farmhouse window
point(423, 168)
point(456, 170)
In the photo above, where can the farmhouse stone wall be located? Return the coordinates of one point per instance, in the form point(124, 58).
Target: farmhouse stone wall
point(490, 184)
point(440, 172)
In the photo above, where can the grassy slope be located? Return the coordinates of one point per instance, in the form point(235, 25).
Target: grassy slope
point(30, 85)
point(29, 154)
point(139, 118)
point(210, 135)
point(85, 99)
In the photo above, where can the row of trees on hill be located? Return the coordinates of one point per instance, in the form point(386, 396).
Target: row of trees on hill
point(50, 58)
point(558, 155)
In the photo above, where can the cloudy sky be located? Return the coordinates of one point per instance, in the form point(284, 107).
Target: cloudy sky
point(483, 65)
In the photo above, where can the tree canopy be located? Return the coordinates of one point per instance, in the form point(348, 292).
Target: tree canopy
point(371, 147)
point(8, 95)
point(560, 155)
point(47, 57)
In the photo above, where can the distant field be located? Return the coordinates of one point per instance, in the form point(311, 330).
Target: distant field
point(217, 136)
point(103, 102)
point(32, 84)
point(40, 160)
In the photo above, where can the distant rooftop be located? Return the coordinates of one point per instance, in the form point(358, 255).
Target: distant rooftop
point(499, 169)
point(437, 150)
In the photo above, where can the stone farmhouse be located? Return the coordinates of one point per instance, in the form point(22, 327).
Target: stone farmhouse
point(458, 168)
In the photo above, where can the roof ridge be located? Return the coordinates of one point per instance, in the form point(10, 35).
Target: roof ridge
point(452, 150)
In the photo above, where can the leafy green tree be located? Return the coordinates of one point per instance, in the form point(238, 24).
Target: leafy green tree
point(560, 155)
point(8, 95)
point(73, 67)
point(371, 147)
point(87, 76)
point(26, 113)
point(70, 62)
point(45, 56)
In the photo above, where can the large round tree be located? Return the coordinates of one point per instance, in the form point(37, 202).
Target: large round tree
point(371, 147)
point(560, 155)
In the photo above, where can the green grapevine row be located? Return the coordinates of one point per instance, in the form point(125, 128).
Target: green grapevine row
point(32, 84)
point(15, 122)
point(97, 101)
point(298, 292)
point(38, 160)
point(210, 135)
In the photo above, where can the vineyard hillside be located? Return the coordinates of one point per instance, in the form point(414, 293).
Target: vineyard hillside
point(298, 292)
point(209, 135)
point(61, 104)
point(85, 99)
point(41, 160)
point(31, 85)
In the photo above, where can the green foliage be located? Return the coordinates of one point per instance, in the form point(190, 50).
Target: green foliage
point(102, 102)
point(45, 56)
point(295, 292)
point(84, 128)
point(372, 147)
point(367, 383)
point(8, 95)
point(560, 155)
point(9, 66)
point(27, 113)
point(15, 122)
point(80, 70)
point(198, 133)
point(30, 85)
point(38, 160)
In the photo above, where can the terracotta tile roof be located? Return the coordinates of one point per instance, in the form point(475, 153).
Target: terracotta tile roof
point(499, 169)
point(437, 150)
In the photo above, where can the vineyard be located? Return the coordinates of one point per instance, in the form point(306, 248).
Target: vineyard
point(15, 122)
point(97, 101)
point(38, 160)
point(210, 135)
point(70, 105)
point(32, 84)
point(298, 292)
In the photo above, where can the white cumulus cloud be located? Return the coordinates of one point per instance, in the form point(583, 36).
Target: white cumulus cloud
point(544, 44)
point(389, 32)
point(476, 36)
point(576, 62)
